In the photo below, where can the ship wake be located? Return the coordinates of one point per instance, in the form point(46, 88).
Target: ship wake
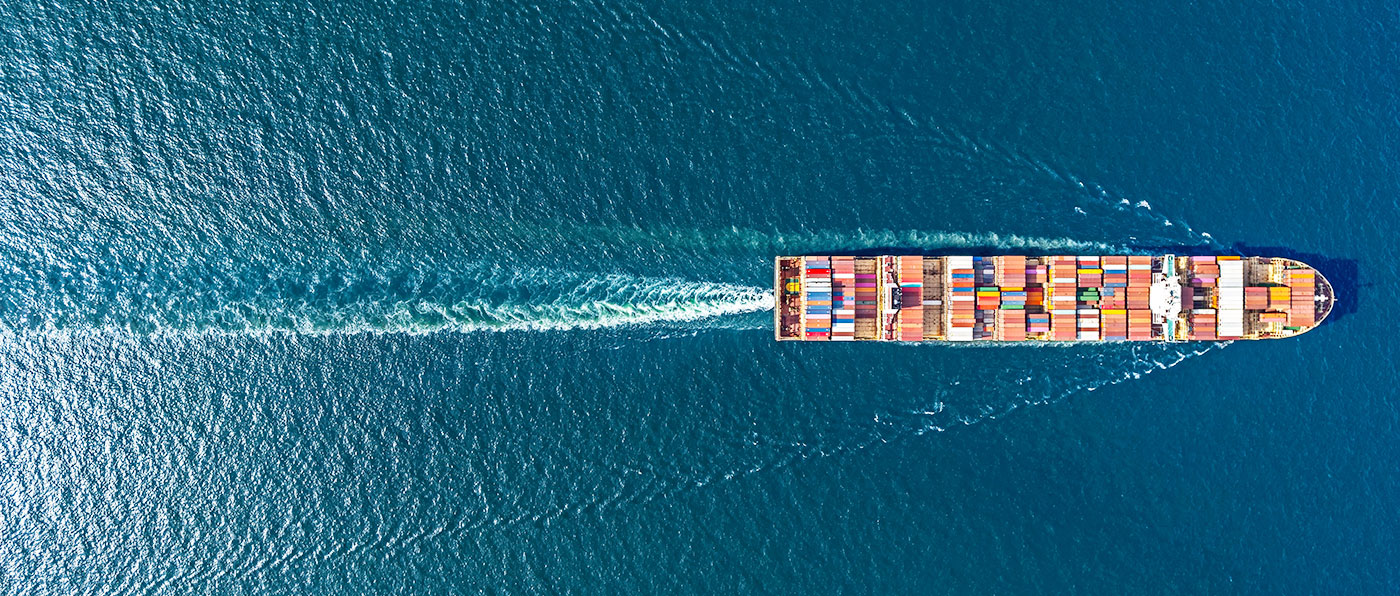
point(469, 299)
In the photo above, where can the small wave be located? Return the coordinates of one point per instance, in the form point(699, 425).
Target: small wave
point(1090, 195)
point(750, 241)
point(885, 427)
point(931, 240)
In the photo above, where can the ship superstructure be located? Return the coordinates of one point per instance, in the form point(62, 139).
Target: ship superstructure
point(1045, 298)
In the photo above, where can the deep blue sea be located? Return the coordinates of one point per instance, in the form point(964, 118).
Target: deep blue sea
point(453, 298)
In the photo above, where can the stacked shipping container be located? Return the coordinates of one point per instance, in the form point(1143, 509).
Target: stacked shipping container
point(1202, 324)
point(1011, 325)
point(1090, 275)
point(1064, 290)
point(1138, 296)
point(867, 298)
point(934, 292)
point(962, 312)
point(911, 285)
point(1201, 299)
point(1256, 297)
point(817, 286)
point(1230, 314)
point(843, 298)
point(1114, 295)
point(1139, 282)
point(988, 297)
point(1301, 289)
point(1115, 324)
point(1010, 293)
point(1139, 324)
point(1011, 272)
point(1037, 274)
point(1037, 324)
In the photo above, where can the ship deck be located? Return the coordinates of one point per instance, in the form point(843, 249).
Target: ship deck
point(1014, 298)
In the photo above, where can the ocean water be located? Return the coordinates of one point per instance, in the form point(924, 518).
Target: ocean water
point(400, 297)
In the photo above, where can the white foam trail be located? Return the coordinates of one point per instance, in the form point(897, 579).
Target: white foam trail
point(534, 300)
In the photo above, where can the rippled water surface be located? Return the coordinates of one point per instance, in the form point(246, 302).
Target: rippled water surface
point(471, 298)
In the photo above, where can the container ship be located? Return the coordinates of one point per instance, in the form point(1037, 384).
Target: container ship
point(1163, 298)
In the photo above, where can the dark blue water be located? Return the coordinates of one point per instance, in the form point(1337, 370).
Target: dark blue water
point(440, 298)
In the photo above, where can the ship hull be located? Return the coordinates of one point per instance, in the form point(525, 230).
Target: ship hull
point(1014, 298)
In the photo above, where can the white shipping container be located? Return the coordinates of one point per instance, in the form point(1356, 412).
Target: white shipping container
point(959, 262)
point(960, 334)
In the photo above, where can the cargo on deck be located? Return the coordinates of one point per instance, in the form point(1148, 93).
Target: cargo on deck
point(1019, 298)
